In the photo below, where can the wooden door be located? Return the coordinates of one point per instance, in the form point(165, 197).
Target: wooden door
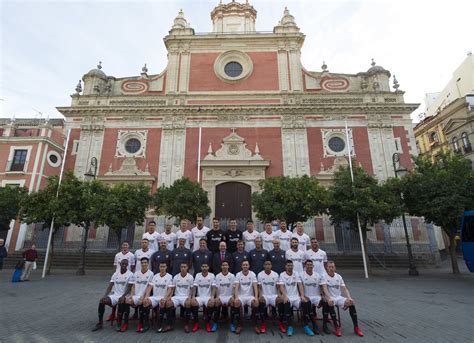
point(233, 200)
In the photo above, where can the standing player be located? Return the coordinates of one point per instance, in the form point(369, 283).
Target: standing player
point(224, 283)
point(277, 257)
point(312, 295)
point(291, 292)
point(318, 256)
point(152, 236)
point(169, 236)
point(161, 284)
point(267, 290)
point(120, 285)
point(335, 284)
point(232, 236)
point(182, 284)
point(284, 235)
point(163, 255)
point(145, 251)
point(239, 256)
point(140, 281)
point(245, 294)
point(199, 232)
point(201, 256)
point(183, 232)
point(249, 236)
point(268, 236)
point(303, 239)
point(257, 256)
point(295, 255)
point(180, 255)
point(204, 287)
point(127, 255)
point(214, 236)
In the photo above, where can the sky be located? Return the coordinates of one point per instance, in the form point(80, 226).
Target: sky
point(47, 46)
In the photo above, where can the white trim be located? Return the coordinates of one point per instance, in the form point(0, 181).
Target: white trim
point(75, 147)
point(13, 182)
point(41, 169)
point(35, 166)
point(54, 153)
point(12, 153)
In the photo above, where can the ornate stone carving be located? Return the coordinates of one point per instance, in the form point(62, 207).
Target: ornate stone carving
point(233, 147)
point(129, 167)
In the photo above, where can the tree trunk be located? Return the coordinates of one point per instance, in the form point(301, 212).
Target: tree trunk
point(366, 252)
point(51, 254)
point(118, 232)
point(452, 250)
point(82, 262)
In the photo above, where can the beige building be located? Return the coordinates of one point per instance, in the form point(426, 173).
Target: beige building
point(449, 120)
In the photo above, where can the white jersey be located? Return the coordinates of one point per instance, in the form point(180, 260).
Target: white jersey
point(120, 282)
point(285, 239)
point(319, 258)
point(139, 254)
point(170, 239)
point(304, 241)
point(249, 239)
point(153, 239)
point(199, 234)
point(246, 282)
point(267, 240)
point(297, 258)
point(160, 284)
point(334, 284)
point(140, 281)
point(224, 284)
point(311, 283)
point(268, 282)
point(121, 256)
point(204, 284)
point(187, 235)
point(291, 284)
point(183, 285)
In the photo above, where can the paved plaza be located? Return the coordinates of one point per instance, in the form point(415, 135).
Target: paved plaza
point(392, 307)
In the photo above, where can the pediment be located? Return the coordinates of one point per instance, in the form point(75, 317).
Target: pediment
point(233, 148)
point(453, 124)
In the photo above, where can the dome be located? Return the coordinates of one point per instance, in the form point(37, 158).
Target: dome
point(97, 72)
point(375, 69)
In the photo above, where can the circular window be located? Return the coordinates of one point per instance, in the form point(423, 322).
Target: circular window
point(233, 69)
point(336, 144)
point(54, 159)
point(132, 145)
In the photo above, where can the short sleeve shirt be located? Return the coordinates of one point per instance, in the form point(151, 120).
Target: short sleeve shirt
point(319, 258)
point(183, 285)
point(187, 235)
point(311, 283)
point(139, 254)
point(121, 281)
point(267, 240)
point(268, 282)
point(303, 240)
point(246, 282)
point(141, 280)
point(199, 234)
point(297, 258)
point(121, 256)
point(225, 283)
point(285, 239)
point(160, 284)
point(291, 284)
point(204, 284)
point(249, 239)
point(335, 283)
point(153, 239)
point(170, 239)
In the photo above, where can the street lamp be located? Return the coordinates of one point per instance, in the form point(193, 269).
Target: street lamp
point(92, 173)
point(402, 171)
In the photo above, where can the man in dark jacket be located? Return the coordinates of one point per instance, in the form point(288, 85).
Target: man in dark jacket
point(214, 236)
point(240, 256)
point(201, 256)
point(219, 257)
point(257, 256)
point(277, 256)
point(232, 236)
point(163, 255)
point(3, 252)
point(180, 255)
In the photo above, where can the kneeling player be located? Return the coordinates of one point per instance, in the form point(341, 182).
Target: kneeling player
point(162, 292)
point(335, 284)
point(182, 284)
point(222, 297)
point(312, 296)
point(204, 286)
point(291, 292)
point(268, 293)
point(245, 294)
point(120, 285)
point(141, 279)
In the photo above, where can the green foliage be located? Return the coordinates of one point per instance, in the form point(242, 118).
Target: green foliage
point(10, 200)
point(440, 191)
point(292, 198)
point(372, 201)
point(183, 199)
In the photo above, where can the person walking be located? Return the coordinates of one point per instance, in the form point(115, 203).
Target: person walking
point(30, 257)
point(3, 252)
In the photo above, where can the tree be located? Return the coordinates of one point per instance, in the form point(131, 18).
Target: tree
point(292, 198)
point(365, 199)
point(10, 200)
point(184, 199)
point(126, 205)
point(440, 191)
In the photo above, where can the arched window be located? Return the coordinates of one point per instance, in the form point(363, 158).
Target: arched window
point(433, 137)
point(455, 144)
point(465, 140)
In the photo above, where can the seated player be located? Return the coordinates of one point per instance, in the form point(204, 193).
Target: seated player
point(182, 284)
point(141, 278)
point(120, 285)
point(335, 284)
point(268, 293)
point(224, 284)
point(312, 296)
point(204, 287)
point(245, 294)
point(161, 298)
point(291, 292)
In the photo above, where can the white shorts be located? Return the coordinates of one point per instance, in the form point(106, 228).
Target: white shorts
point(135, 299)
point(246, 300)
point(178, 300)
point(339, 301)
point(225, 299)
point(155, 300)
point(114, 298)
point(202, 301)
point(270, 300)
point(295, 302)
point(315, 299)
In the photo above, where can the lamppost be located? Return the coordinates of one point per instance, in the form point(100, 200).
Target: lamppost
point(402, 171)
point(91, 174)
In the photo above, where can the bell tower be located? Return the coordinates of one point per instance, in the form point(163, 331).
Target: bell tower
point(233, 17)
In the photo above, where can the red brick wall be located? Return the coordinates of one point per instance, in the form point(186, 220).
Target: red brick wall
point(71, 159)
point(405, 158)
point(264, 75)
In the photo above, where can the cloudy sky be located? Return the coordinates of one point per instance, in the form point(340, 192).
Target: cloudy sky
point(46, 46)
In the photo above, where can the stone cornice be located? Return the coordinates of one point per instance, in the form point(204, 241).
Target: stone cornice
point(34, 139)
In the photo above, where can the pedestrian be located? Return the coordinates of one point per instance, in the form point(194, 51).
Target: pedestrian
point(3, 252)
point(30, 257)
point(18, 271)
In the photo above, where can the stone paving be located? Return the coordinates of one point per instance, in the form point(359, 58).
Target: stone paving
point(392, 307)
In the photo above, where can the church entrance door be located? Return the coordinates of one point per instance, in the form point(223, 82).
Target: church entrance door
point(233, 200)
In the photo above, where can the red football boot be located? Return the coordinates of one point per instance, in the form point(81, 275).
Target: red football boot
point(338, 331)
point(139, 327)
point(358, 332)
point(208, 327)
point(195, 327)
point(281, 327)
point(124, 327)
point(263, 328)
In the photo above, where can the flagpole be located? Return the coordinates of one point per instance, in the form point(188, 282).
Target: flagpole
point(349, 153)
point(50, 236)
point(199, 155)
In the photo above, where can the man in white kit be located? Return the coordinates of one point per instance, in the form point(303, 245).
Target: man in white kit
point(267, 291)
point(284, 235)
point(249, 236)
point(202, 296)
point(295, 255)
point(152, 236)
point(291, 293)
point(318, 256)
point(199, 232)
point(183, 283)
point(268, 236)
point(145, 251)
point(303, 239)
point(183, 232)
point(169, 236)
point(225, 284)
